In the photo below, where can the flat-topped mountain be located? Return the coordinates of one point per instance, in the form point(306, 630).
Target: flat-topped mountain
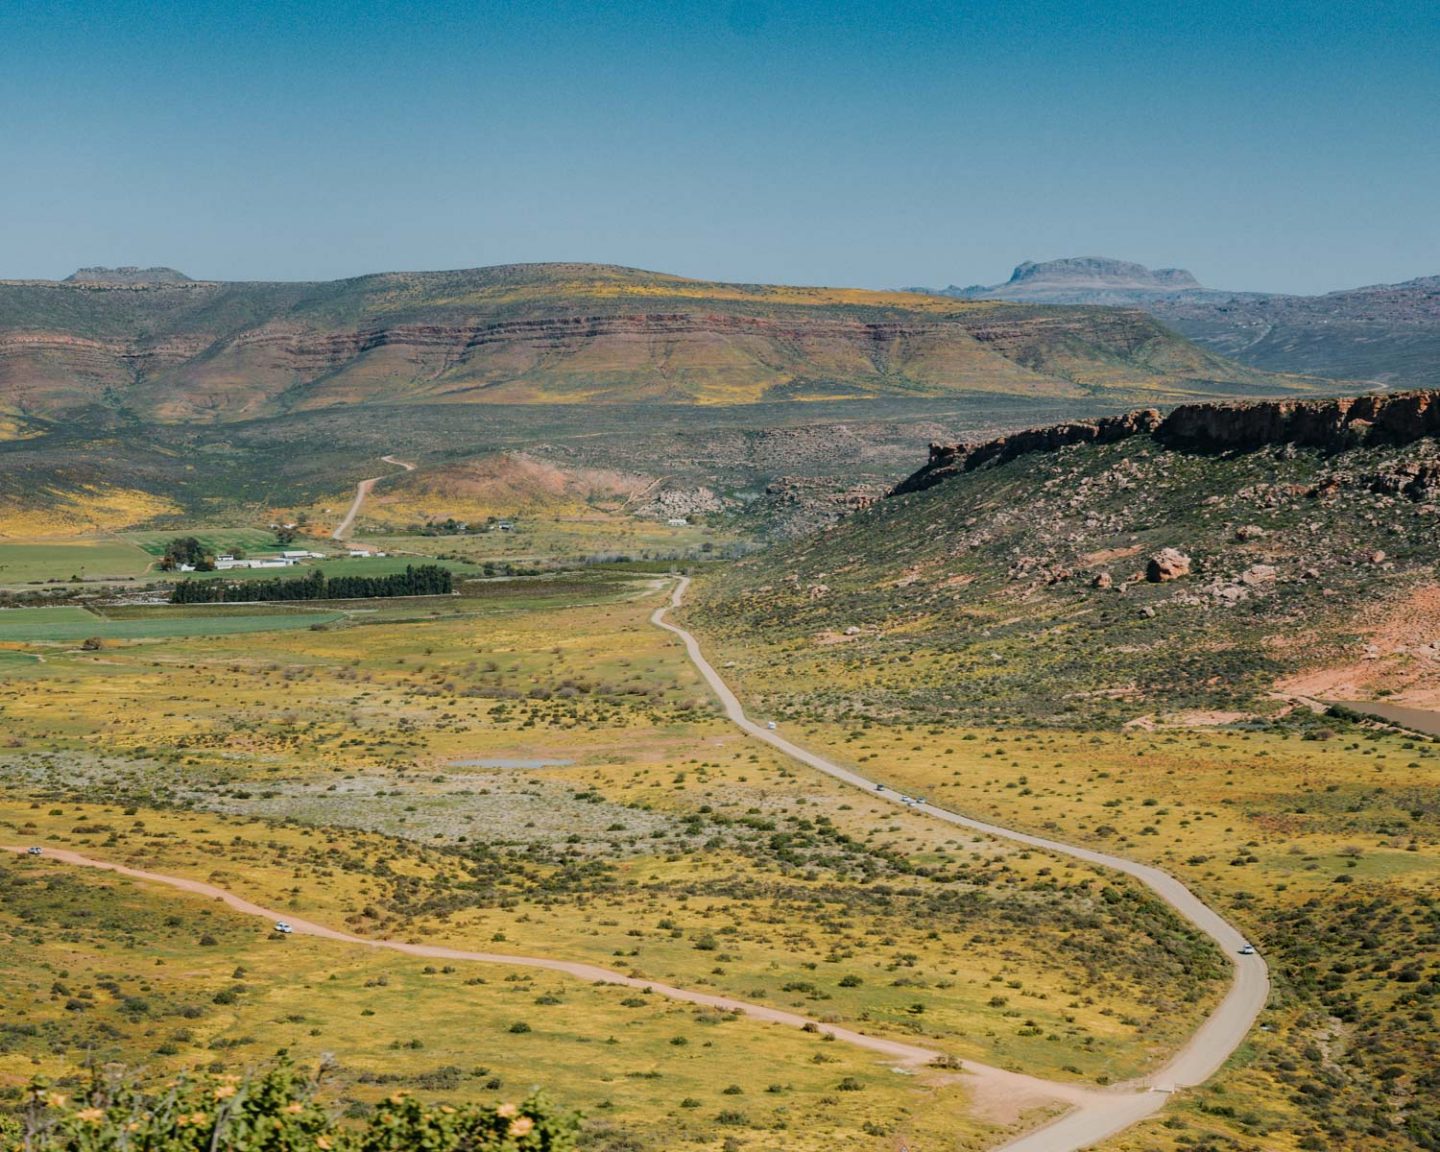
point(563, 333)
point(1083, 280)
point(127, 275)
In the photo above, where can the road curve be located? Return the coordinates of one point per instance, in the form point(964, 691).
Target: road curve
point(362, 490)
point(1101, 1114)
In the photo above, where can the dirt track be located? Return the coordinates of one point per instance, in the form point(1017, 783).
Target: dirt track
point(362, 490)
point(994, 1084)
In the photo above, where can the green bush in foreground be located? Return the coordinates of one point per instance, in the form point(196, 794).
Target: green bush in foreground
point(275, 1111)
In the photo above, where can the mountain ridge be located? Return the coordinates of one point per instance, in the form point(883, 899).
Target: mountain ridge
point(219, 351)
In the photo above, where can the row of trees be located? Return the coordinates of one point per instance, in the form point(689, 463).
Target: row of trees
point(426, 580)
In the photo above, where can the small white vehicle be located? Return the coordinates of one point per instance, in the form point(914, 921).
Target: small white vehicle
point(1247, 950)
point(34, 850)
point(771, 725)
point(283, 928)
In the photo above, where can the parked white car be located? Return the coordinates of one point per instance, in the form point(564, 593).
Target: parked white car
point(283, 927)
point(34, 850)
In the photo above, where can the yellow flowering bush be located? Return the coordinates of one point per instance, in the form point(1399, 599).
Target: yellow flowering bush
point(275, 1111)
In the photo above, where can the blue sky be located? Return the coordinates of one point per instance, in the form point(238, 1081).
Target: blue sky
point(1274, 145)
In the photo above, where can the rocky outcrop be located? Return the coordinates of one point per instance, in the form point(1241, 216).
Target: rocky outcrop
point(946, 460)
point(1387, 418)
point(1332, 425)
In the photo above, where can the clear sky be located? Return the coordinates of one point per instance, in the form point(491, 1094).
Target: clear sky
point(1269, 144)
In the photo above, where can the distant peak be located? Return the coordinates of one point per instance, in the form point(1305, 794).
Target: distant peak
point(1102, 272)
point(127, 275)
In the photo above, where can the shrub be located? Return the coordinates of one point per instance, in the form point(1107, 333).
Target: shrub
point(272, 1111)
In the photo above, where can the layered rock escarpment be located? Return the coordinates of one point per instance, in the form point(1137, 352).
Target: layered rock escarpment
point(160, 347)
point(1332, 425)
point(947, 460)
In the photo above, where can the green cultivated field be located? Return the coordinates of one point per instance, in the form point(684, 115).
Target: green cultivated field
point(63, 625)
point(22, 563)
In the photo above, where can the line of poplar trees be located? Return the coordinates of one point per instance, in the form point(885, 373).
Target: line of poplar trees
point(426, 580)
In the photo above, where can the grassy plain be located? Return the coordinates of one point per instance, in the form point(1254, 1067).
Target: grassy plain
point(70, 624)
point(107, 969)
point(372, 775)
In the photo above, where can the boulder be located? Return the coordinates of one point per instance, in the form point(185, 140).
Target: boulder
point(1166, 565)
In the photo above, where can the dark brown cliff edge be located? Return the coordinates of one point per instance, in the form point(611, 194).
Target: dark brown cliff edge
point(1390, 418)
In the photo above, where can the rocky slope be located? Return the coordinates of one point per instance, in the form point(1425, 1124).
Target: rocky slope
point(1121, 570)
point(175, 350)
point(1389, 333)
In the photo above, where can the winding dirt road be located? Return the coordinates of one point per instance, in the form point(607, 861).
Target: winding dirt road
point(995, 1084)
point(1100, 1114)
point(362, 490)
point(1093, 1114)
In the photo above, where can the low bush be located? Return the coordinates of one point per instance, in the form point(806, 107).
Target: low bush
point(276, 1111)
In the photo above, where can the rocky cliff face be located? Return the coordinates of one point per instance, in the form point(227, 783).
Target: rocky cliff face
point(1388, 419)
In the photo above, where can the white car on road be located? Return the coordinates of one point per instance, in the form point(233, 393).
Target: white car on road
point(283, 928)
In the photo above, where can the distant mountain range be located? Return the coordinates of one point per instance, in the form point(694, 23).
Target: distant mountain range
point(1386, 333)
point(154, 345)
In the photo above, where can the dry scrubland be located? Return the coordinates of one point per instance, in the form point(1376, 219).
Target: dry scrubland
point(993, 643)
point(380, 775)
